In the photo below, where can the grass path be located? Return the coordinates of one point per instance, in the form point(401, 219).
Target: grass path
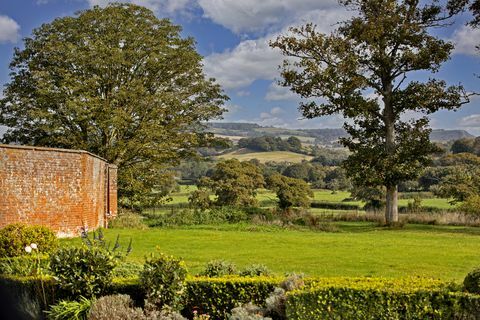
point(360, 249)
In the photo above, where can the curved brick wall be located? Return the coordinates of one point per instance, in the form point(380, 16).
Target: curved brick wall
point(61, 189)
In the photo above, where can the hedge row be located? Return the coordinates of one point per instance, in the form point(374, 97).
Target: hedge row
point(323, 298)
point(334, 205)
point(381, 299)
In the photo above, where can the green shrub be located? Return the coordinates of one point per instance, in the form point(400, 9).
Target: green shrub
point(83, 271)
point(70, 310)
point(25, 265)
point(163, 279)
point(471, 283)
point(255, 270)
point(127, 220)
point(218, 296)
point(115, 307)
point(248, 311)
point(334, 205)
point(370, 298)
point(15, 237)
point(219, 268)
point(127, 270)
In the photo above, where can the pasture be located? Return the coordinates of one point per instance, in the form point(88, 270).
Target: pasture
point(357, 249)
point(277, 156)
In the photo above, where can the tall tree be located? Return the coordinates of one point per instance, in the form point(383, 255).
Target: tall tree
point(118, 82)
point(369, 58)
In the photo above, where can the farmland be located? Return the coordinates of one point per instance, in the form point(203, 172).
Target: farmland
point(278, 156)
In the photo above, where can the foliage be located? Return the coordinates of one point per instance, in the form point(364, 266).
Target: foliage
point(471, 206)
point(255, 270)
point(24, 265)
point(212, 216)
point(106, 80)
point(70, 310)
point(270, 143)
point(470, 145)
point(219, 268)
point(375, 50)
point(218, 296)
point(98, 242)
point(376, 298)
point(115, 307)
point(200, 199)
point(276, 302)
point(15, 237)
point(290, 192)
point(83, 271)
point(464, 179)
point(127, 219)
point(163, 279)
point(248, 311)
point(127, 270)
point(471, 283)
point(234, 183)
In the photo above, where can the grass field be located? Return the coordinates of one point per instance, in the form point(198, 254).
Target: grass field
point(359, 249)
point(319, 195)
point(278, 156)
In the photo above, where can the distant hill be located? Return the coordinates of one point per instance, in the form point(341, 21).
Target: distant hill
point(327, 136)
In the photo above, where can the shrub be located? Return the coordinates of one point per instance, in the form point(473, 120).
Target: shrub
point(83, 271)
point(370, 298)
point(127, 270)
point(15, 237)
point(277, 300)
point(25, 265)
point(115, 307)
point(218, 296)
point(70, 310)
point(163, 279)
point(247, 312)
point(471, 283)
point(255, 270)
point(219, 268)
point(128, 220)
point(200, 199)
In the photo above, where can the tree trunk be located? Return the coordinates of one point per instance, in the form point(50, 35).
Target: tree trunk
point(391, 208)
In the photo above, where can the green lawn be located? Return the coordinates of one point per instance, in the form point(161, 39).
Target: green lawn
point(359, 249)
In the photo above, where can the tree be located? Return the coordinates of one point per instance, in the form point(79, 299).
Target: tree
point(369, 58)
point(117, 82)
point(463, 145)
point(290, 192)
point(234, 183)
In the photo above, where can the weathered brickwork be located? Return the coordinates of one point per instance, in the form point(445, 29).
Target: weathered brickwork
point(61, 189)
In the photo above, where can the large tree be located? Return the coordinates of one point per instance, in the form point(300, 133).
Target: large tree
point(118, 82)
point(360, 71)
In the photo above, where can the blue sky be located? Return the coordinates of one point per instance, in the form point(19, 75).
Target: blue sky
point(233, 37)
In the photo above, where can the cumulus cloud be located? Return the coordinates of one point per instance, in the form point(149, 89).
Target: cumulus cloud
point(257, 16)
point(277, 93)
point(160, 6)
point(466, 39)
point(255, 60)
point(471, 121)
point(9, 30)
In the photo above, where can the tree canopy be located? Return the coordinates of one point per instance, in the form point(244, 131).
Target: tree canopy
point(360, 71)
point(291, 192)
point(118, 82)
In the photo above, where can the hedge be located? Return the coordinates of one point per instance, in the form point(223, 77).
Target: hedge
point(321, 298)
point(373, 298)
point(334, 205)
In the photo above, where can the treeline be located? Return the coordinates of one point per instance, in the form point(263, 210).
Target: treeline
point(271, 143)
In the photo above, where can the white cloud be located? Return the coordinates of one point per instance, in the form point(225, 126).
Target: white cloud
point(243, 93)
point(466, 39)
point(276, 111)
point(159, 6)
point(471, 121)
point(256, 16)
point(276, 93)
point(255, 60)
point(9, 30)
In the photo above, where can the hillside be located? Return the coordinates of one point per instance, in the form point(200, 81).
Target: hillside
point(325, 137)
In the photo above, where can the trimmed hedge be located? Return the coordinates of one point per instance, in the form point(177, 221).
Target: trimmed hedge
point(218, 296)
point(322, 298)
point(335, 205)
point(370, 298)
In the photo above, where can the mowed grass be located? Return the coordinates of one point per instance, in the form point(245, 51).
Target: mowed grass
point(359, 249)
point(277, 156)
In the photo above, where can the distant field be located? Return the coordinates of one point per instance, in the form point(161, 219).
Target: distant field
point(357, 249)
point(278, 156)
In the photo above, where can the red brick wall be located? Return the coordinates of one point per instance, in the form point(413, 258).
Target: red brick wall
point(61, 189)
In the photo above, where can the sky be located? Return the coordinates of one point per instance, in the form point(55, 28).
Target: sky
point(233, 37)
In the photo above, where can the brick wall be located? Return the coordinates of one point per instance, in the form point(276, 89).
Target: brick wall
point(61, 189)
